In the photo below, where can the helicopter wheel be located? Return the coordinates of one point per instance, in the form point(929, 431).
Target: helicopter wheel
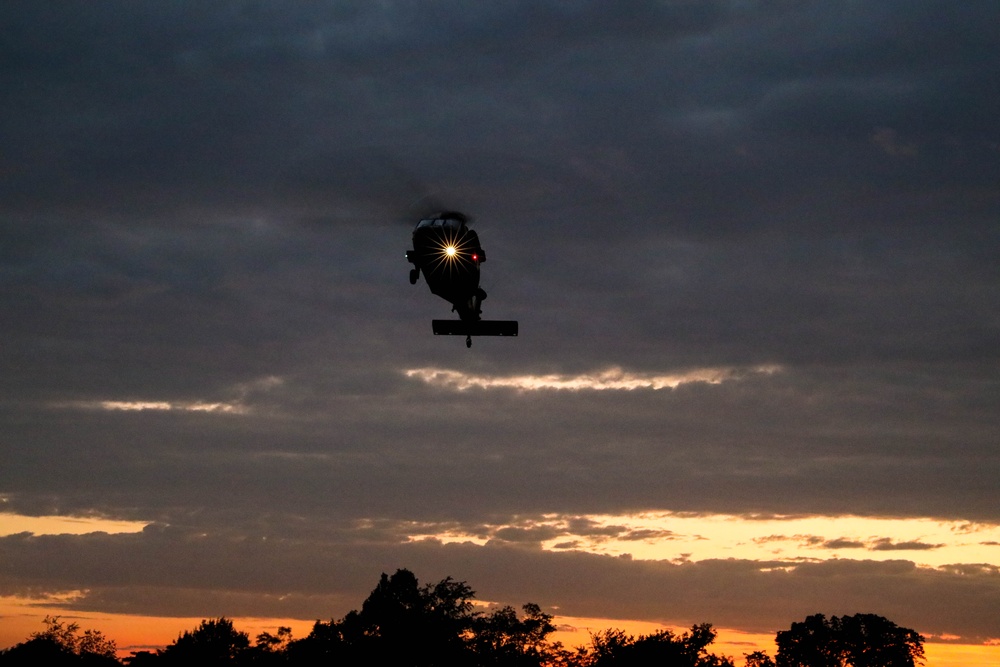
point(468, 341)
point(414, 274)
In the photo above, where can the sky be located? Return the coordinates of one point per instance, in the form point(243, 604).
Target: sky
point(753, 248)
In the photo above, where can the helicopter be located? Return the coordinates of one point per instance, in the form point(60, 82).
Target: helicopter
point(449, 254)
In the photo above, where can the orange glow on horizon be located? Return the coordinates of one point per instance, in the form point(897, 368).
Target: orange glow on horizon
point(133, 633)
point(148, 633)
point(12, 524)
point(574, 631)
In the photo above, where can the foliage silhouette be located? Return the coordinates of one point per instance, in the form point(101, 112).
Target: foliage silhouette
point(214, 642)
point(861, 640)
point(269, 650)
point(613, 648)
point(62, 644)
point(502, 638)
point(400, 622)
point(409, 625)
point(758, 659)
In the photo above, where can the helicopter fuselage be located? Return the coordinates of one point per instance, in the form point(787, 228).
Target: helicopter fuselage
point(448, 255)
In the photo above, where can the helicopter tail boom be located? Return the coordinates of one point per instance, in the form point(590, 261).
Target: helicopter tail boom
point(479, 328)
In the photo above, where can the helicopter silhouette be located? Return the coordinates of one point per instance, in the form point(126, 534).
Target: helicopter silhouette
point(449, 254)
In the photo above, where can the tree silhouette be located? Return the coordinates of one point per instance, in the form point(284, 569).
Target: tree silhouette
point(404, 623)
point(213, 642)
point(811, 643)
point(758, 659)
point(269, 650)
point(613, 648)
point(869, 640)
point(37, 651)
point(274, 643)
point(502, 638)
point(408, 625)
point(324, 645)
point(412, 625)
point(861, 640)
point(62, 644)
point(401, 623)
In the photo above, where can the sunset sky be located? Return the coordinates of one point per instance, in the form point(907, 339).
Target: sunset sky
point(753, 247)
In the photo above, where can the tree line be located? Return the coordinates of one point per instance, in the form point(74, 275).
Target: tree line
point(435, 625)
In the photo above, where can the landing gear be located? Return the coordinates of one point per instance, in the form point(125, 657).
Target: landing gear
point(468, 341)
point(476, 301)
point(414, 274)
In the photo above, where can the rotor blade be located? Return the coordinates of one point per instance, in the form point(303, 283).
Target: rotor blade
point(361, 185)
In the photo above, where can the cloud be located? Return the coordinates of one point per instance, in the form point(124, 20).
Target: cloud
point(668, 536)
point(888, 544)
point(612, 379)
point(325, 576)
point(164, 406)
point(843, 543)
point(246, 392)
point(647, 534)
point(873, 544)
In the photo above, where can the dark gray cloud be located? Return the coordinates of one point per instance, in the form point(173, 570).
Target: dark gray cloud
point(176, 572)
point(787, 445)
point(843, 543)
point(872, 544)
point(888, 544)
point(201, 205)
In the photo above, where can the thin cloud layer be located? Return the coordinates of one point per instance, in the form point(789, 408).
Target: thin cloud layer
point(612, 379)
point(244, 396)
point(165, 406)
